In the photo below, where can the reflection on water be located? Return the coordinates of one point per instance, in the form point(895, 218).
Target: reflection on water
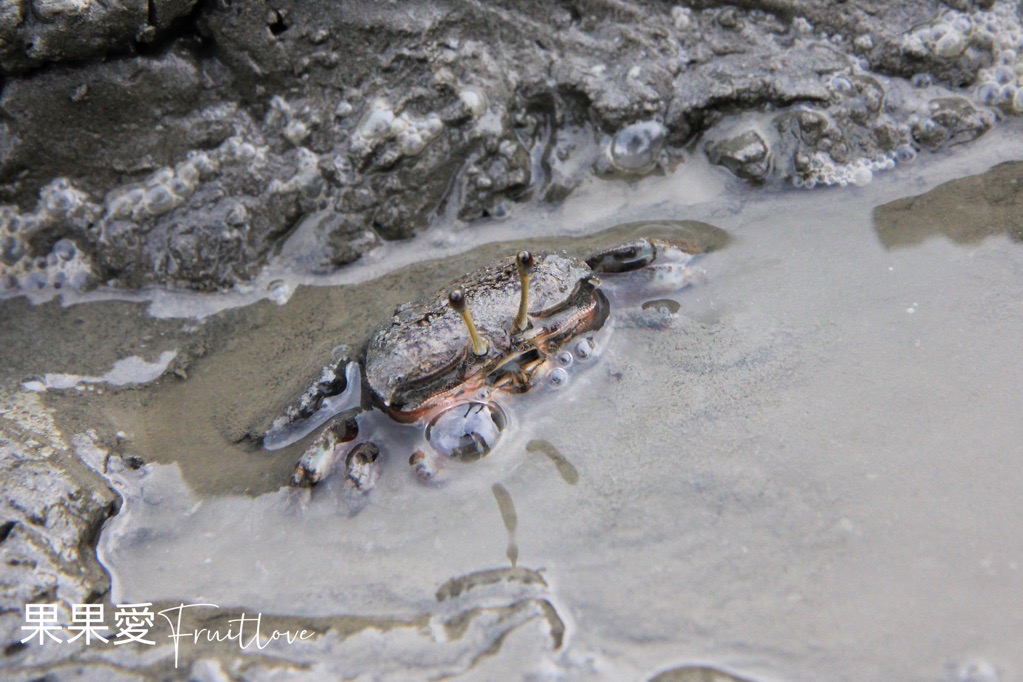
point(965, 210)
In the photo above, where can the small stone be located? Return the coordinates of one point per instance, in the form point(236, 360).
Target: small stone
point(746, 154)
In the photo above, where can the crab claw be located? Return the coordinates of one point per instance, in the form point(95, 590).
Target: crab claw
point(650, 266)
point(318, 460)
point(625, 258)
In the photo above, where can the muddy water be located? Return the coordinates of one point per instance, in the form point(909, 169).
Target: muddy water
point(809, 471)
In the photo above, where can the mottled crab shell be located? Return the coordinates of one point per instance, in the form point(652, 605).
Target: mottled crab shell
point(415, 354)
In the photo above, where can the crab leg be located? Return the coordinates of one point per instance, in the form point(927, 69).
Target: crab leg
point(283, 435)
point(361, 468)
point(318, 460)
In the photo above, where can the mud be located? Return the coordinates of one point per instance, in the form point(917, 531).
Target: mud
point(758, 430)
point(802, 469)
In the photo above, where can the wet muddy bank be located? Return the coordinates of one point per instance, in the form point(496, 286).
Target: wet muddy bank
point(819, 435)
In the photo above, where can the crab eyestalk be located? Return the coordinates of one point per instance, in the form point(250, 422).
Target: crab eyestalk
point(457, 301)
point(524, 263)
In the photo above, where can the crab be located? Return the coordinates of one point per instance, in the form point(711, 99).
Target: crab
point(449, 362)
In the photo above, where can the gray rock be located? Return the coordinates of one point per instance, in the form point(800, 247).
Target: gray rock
point(376, 121)
point(747, 155)
point(50, 515)
point(953, 120)
point(38, 32)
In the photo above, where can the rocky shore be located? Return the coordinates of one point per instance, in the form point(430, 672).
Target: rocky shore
point(180, 143)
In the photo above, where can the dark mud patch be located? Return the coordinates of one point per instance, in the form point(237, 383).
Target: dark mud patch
point(965, 210)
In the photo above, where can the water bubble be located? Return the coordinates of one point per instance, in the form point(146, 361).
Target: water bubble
point(411, 144)
point(681, 17)
point(500, 210)
point(296, 132)
point(558, 377)
point(1007, 94)
point(123, 206)
point(841, 84)
point(922, 80)
point(186, 177)
point(203, 163)
point(962, 24)
point(635, 147)
point(988, 92)
point(1005, 74)
point(398, 126)
point(8, 219)
point(467, 432)
point(11, 250)
point(951, 44)
point(64, 249)
point(801, 25)
point(861, 176)
point(159, 200)
point(565, 358)
point(475, 100)
point(180, 187)
point(162, 176)
point(80, 279)
point(585, 349)
point(59, 201)
point(278, 291)
point(376, 122)
point(433, 124)
point(36, 280)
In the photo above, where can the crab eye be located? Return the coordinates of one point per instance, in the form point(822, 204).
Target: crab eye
point(467, 432)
